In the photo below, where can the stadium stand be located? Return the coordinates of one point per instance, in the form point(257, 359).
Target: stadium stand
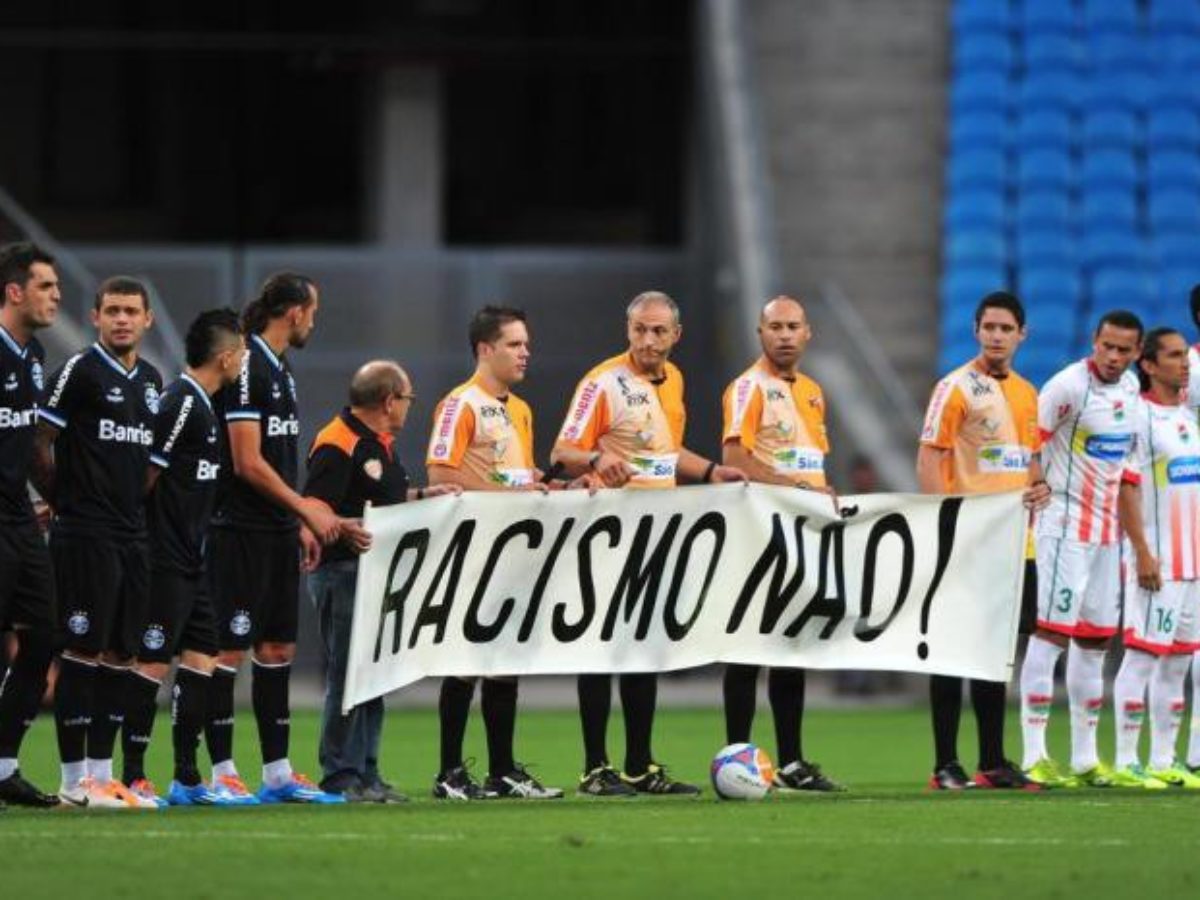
point(1073, 169)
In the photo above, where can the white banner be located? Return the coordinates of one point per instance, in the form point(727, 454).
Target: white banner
point(642, 581)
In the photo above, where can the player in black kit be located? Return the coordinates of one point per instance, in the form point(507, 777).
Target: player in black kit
point(259, 528)
point(95, 428)
point(29, 298)
point(185, 460)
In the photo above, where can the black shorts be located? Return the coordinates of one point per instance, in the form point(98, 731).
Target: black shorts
point(1029, 595)
point(103, 585)
point(179, 617)
point(254, 578)
point(26, 578)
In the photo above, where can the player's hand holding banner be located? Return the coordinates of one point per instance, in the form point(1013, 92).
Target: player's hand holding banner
point(523, 584)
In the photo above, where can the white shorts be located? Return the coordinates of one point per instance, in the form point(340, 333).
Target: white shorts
point(1164, 621)
point(1079, 587)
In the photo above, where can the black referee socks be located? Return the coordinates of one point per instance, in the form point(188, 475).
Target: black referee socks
point(595, 703)
point(499, 703)
point(785, 690)
point(272, 708)
point(73, 695)
point(454, 705)
point(22, 689)
point(739, 687)
point(140, 705)
point(189, 701)
point(988, 700)
point(218, 728)
point(639, 696)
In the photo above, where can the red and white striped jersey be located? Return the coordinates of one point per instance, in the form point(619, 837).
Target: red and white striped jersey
point(1167, 460)
point(1087, 428)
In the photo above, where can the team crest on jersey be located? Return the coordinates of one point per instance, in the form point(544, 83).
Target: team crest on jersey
point(1183, 432)
point(78, 622)
point(240, 623)
point(11, 383)
point(1119, 410)
point(212, 435)
point(373, 469)
point(154, 638)
point(35, 372)
point(291, 386)
point(152, 398)
point(276, 390)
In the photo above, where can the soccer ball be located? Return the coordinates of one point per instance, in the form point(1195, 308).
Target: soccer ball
point(742, 772)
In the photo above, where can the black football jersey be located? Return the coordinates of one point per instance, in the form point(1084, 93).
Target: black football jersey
point(265, 392)
point(187, 448)
point(20, 388)
point(105, 416)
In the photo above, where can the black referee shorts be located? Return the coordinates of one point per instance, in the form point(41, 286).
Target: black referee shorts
point(179, 617)
point(255, 582)
point(103, 584)
point(26, 578)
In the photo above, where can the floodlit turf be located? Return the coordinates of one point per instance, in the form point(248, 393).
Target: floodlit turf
point(888, 837)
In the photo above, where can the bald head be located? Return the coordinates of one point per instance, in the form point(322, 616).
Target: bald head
point(781, 305)
point(649, 299)
point(375, 382)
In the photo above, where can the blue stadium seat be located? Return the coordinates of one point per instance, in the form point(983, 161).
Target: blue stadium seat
point(1046, 210)
point(1118, 50)
point(1039, 361)
point(987, 128)
point(1125, 288)
point(1128, 90)
point(977, 91)
point(1101, 17)
point(1115, 128)
point(1175, 287)
point(1046, 249)
point(975, 16)
point(1041, 16)
point(963, 288)
point(1174, 15)
point(977, 169)
point(978, 209)
point(1173, 129)
point(1050, 292)
point(1175, 89)
point(1109, 169)
point(1053, 52)
point(1173, 210)
point(1103, 209)
point(1175, 50)
point(1049, 90)
point(1174, 250)
point(975, 248)
point(1049, 128)
point(1050, 169)
point(1112, 247)
point(1173, 168)
point(983, 51)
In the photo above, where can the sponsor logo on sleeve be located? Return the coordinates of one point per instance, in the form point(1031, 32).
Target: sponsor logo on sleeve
point(588, 395)
point(443, 433)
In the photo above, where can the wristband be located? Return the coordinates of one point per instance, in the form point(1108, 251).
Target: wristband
point(708, 473)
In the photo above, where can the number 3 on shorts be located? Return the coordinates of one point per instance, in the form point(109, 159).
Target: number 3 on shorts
point(1064, 601)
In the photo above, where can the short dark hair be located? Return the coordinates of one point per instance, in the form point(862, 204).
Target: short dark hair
point(279, 293)
point(122, 286)
point(1196, 304)
point(487, 323)
point(1121, 318)
point(205, 334)
point(16, 262)
point(1001, 300)
point(1151, 346)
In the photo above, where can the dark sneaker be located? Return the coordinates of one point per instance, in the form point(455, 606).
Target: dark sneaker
point(520, 784)
point(656, 781)
point(457, 784)
point(805, 776)
point(950, 777)
point(382, 792)
point(17, 791)
point(603, 781)
point(1006, 776)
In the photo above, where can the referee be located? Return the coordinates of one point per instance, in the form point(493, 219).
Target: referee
point(351, 463)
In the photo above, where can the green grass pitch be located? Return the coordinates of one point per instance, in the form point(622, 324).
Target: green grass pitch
point(888, 837)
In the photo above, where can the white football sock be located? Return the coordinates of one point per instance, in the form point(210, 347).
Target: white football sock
point(8, 765)
point(1129, 703)
point(1166, 708)
point(224, 769)
point(1085, 691)
point(1037, 694)
point(277, 772)
point(72, 774)
point(100, 770)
